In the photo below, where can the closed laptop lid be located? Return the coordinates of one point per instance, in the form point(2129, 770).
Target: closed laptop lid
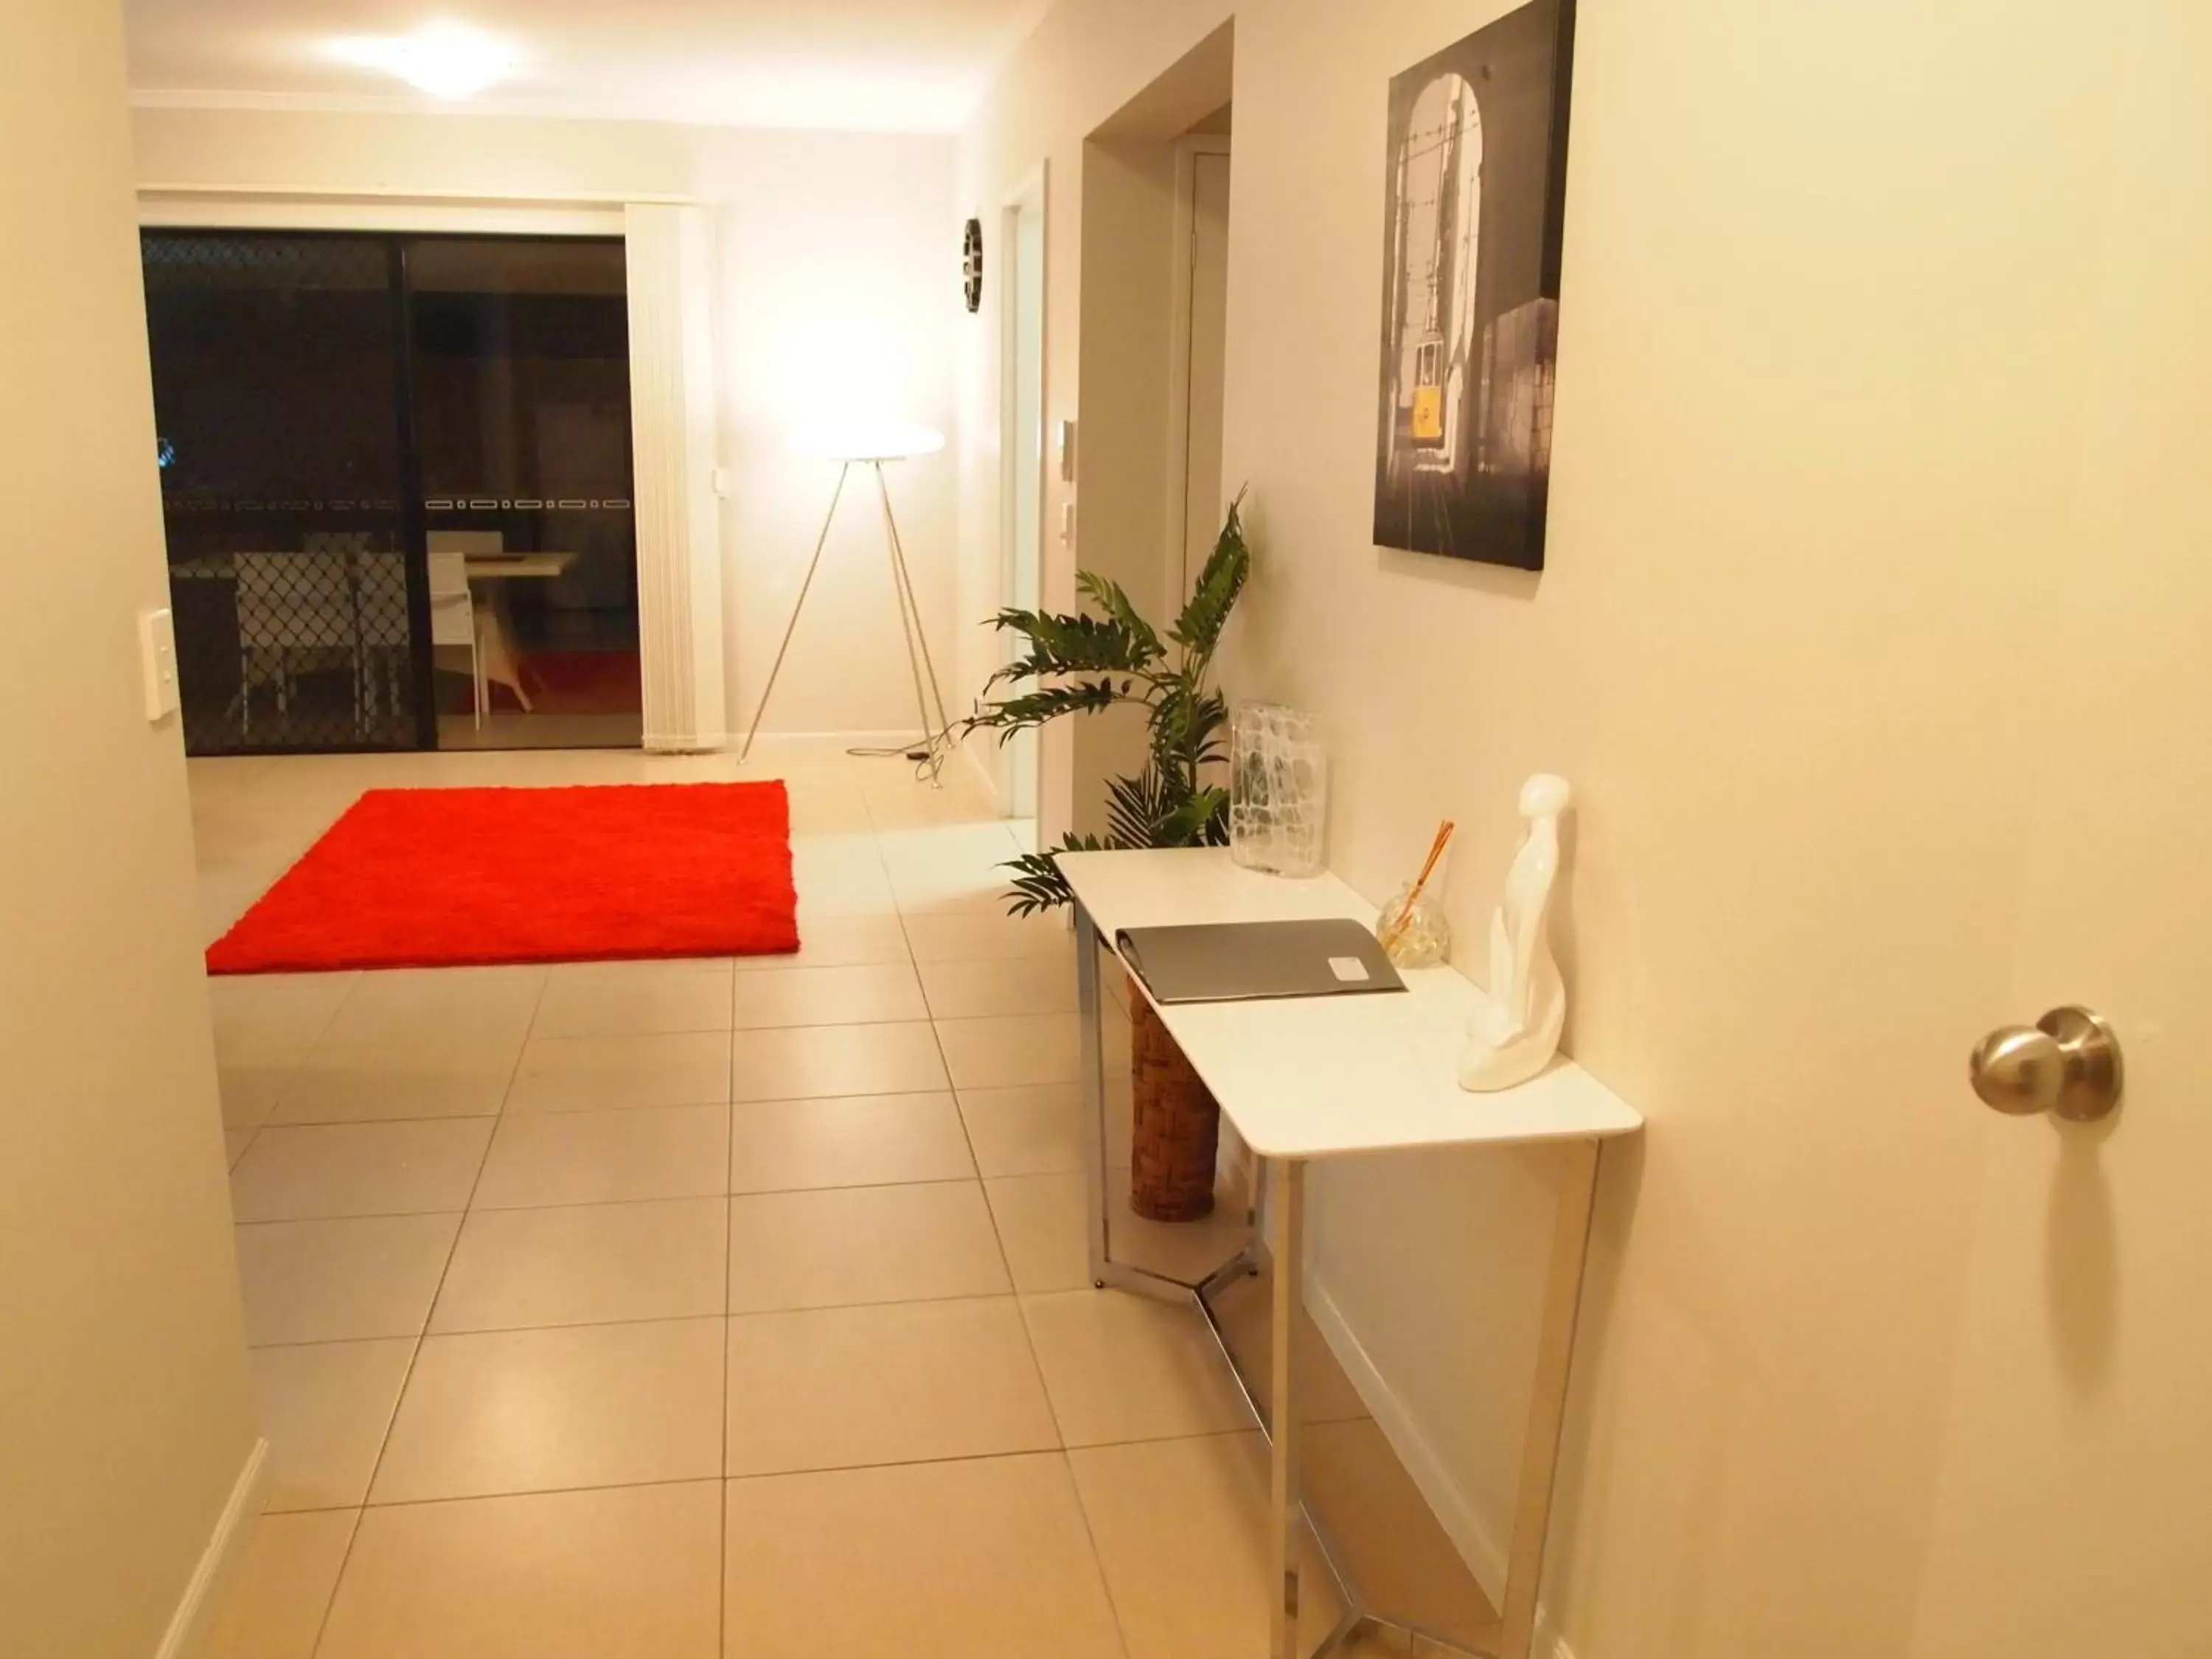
point(1249, 961)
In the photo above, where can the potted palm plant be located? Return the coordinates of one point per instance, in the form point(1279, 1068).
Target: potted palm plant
point(1084, 663)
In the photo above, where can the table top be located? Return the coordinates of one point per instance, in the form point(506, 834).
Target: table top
point(1332, 1077)
point(484, 567)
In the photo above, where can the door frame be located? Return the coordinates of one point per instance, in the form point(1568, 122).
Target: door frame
point(1181, 274)
point(1032, 191)
point(200, 207)
point(678, 646)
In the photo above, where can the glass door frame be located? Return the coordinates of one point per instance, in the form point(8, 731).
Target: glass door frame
point(415, 535)
point(408, 533)
point(413, 527)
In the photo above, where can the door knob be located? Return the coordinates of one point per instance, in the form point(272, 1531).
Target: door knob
point(2067, 1062)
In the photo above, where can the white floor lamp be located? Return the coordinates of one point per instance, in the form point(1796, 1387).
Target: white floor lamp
point(876, 448)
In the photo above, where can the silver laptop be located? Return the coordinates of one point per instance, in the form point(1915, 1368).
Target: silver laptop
point(1247, 961)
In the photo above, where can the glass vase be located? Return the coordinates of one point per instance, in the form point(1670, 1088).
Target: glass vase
point(1414, 929)
point(1278, 791)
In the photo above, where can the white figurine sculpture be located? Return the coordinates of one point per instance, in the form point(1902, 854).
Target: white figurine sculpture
point(1516, 1031)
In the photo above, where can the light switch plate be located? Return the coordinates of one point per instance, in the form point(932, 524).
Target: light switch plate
point(1067, 523)
point(157, 655)
point(1064, 447)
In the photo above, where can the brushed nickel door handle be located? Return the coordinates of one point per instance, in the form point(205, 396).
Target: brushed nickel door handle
point(2067, 1062)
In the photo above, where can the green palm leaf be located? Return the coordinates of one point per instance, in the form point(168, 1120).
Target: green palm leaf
point(1139, 810)
point(1073, 644)
point(1145, 648)
point(1049, 703)
point(1087, 661)
point(1199, 628)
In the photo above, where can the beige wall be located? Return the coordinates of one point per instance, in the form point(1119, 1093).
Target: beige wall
point(1805, 415)
point(837, 289)
point(1128, 205)
point(1073, 76)
point(487, 156)
point(841, 259)
point(125, 1415)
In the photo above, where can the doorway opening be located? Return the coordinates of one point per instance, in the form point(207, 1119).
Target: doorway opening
point(396, 479)
point(1143, 390)
point(1198, 348)
point(1021, 404)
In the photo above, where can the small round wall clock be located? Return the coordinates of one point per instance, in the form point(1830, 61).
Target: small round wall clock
point(971, 264)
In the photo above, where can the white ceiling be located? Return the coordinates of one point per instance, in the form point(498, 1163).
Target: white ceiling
point(900, 65)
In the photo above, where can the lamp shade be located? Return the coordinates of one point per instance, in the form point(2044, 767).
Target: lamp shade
point(870, 440)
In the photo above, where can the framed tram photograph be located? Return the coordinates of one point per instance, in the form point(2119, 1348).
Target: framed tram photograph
point(1476, 182)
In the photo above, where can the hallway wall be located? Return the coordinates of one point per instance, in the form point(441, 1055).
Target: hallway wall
point(125, 1416)
point(1818, 266)
point(837, 290)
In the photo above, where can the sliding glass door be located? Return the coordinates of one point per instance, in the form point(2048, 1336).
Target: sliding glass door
point(278, 363)
point(396, 479)
point(521, 383)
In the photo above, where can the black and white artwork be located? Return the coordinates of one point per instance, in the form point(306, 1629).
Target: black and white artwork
point(1476, 182)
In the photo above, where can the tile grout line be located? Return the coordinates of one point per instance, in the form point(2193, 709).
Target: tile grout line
point(531, 1038)
point(722, 1462)
point(232, 1160)
point(532, 1492)
point(1017, 1296)
point(330, 1600)
point(314, 1042)
point(802, 1473)
point(664, 1198)
point(925, 910)
point(729, 1216)
point(1063, 1453)
point(1037, 1367)
point(722, 1465)
point(399, 1401)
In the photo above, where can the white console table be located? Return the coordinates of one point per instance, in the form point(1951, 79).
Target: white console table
point(1338, 1077)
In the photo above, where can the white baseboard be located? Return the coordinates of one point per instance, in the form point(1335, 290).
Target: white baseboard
point(1476, 1541)
point(684, 743)
point(218, 1562)
point(850, 739)
point(970, 758)
point(859, 739)
point(1477, 1544)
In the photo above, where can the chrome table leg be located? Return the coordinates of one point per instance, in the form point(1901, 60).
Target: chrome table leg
point(1088, 1016)
point(1547, 1399)
point(1286, 1227)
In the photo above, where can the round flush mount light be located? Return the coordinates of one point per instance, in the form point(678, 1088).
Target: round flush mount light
point(445, 60)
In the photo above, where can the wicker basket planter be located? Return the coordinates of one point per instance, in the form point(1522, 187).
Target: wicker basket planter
point(1177, 1132)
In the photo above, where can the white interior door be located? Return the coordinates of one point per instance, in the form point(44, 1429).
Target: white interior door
point(1023, 446)
point(2075, 1494)
point(1202, 389)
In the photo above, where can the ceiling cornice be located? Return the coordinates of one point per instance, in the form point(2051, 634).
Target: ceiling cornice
point(302, 103)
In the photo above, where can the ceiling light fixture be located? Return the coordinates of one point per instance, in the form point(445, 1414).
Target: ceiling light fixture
point(445, 60)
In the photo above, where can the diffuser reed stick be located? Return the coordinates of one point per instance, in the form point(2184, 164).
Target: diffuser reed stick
point(1405, 912)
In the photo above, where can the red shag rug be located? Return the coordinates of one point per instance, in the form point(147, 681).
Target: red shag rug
point(439, 878)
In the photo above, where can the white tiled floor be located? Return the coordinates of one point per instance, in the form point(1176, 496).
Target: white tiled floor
point(706, 1308)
